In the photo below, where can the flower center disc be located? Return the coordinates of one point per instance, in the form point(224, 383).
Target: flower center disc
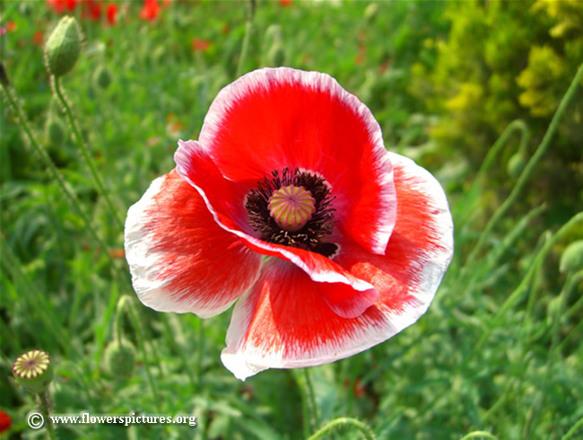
point(292, 207)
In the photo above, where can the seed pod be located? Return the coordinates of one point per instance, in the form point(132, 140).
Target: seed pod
point(572, 258)
point(120, 358)
point(33, 371)
point(63, 47)
point(515, 164)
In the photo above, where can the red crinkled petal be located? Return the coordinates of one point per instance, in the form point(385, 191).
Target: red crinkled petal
point(285, 320)
point(274, 118)
point(225, 201)
point(180, 260)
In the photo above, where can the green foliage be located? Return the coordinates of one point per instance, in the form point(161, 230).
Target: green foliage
point(502, 61)
point(499, 350)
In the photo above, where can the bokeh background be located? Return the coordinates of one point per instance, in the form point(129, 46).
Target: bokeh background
point(451, 83)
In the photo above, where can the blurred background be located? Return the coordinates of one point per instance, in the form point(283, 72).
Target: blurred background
point(468, 89)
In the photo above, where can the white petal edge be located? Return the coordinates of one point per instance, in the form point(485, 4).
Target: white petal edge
point(143, 264)
point(250, 361)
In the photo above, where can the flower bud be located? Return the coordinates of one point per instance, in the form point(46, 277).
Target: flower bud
point(63, 47)
point(54, 131)
point(515, 164)
point(273, 35)
point(33, 371)
point(572, 258)
point(276, 55)
point(102, 78)
point(371, 12)
point(119, 358)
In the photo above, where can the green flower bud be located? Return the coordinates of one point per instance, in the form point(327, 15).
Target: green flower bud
point(33, 371)
point(515, 164)
point(276, 55)
point(273, 35)
point(119, 358)
point(54, 131)
point(102, 78)
point(572, 258)
point(371, 12)
point(63, 47)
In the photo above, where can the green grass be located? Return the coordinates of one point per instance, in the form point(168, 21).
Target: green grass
point(498, 352)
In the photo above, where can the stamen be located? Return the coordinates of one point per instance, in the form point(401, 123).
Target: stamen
point(291, 207)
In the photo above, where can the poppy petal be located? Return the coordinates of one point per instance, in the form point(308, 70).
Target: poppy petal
point(225, 201)
point(276, 118)
point(285, 320)
point(177, 254)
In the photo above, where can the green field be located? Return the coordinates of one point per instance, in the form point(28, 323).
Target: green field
point(486, 95)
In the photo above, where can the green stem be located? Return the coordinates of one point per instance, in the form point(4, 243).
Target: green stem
point(135, 320)
point(43, 401)
point(53, 170)
point(246, 38)
point(342, 423)
point(525, 284)
point(56, 83)
point(474, 434)
point(530, 166)
point(311, 399)
point(574, 429)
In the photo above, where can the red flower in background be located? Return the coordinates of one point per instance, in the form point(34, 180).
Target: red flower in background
point(111, 13)
point(150, 10)
point(5, 421)
point(62, 6)
point(290, 204)
point(200, 45)
point(92, 9)
point(285, 3)
point(38, 38)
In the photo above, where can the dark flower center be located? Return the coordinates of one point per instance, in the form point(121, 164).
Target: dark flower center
point(293, 208)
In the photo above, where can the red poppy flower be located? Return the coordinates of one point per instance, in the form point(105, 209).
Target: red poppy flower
point(200, 45)
point(111, 13)
point(150, 10)
point(5, 421)
point(290, 203)
point(92, 9)
point(61, 6)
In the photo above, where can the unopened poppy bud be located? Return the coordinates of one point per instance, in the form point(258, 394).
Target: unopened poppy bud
point(54, 131)
point(63, 47)
point(102, 78)
point(515, 164)
point(273, 35)
point(572, 258)
point(371, 12)
point(33, 371)
point(120, 358)
point(276, 55)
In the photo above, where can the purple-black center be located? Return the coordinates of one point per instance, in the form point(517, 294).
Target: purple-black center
point(293, 208)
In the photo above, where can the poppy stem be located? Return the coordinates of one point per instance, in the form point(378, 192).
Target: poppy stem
point(311, 400)
point(343, 423)
point(22, 121)
point(530, 166)
point(58, 91)
point(247, 37)
point(44, 405)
